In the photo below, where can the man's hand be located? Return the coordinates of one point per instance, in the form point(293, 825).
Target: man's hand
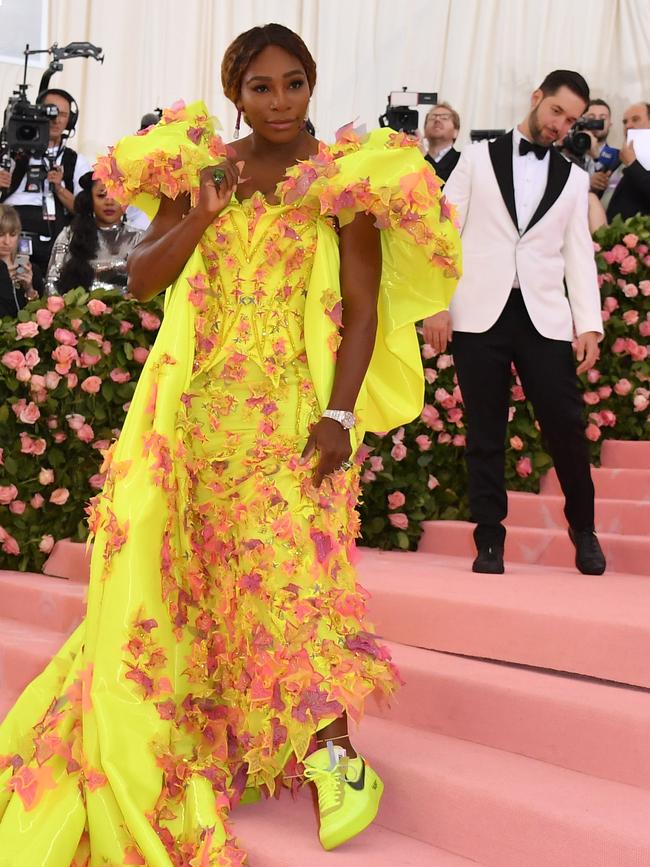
point(55, 177)
point(5, 180)
point(627, 153)
point(437, 330)
point(599, 181)
point(587, 350)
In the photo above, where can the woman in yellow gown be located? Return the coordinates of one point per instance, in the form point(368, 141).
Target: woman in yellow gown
point(225, 630)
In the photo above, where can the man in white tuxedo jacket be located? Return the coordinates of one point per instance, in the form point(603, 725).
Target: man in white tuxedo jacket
point(529, 282)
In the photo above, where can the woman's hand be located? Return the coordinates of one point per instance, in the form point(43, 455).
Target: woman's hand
point(214, 195)
point(332, 442)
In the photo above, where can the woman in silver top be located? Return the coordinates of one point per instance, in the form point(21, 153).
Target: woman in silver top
point(92, 251)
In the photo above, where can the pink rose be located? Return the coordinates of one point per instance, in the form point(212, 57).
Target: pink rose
point(91, 384)
point(376, 464)
point(638, 352)
point(76, 325)
point(37, 382)
point(30, 414)
point(424, 442)
point(107, 347)
point(644, 328)
point(640, 402)
point(32, 357)
point(46, 544)
point(13, 360)
point(75, 421)
point(432, 483)
point(31, 446)
point(604, 392)
point(623, 387)
point(516, 443)
point(430, 375)
point(458, 440)
point(593, 375)
point(102, 445)
point(87, 359)
point(524, 467)
point(149, 321)
point(429, 414)
point(8, 494)
point(631, 317)
point(65, 336)
point(46, 476)
point(444, 439)
point(52, 422)
point(398, 436)
point(10, 546)
point(642, 249)
point(454, 416)
point(398, 452)
point(118, 375)
point(630, 290)
point(26, 329)
point(628, 265)
point(428, 351)
point(60, 437)
point(618, 253)
point(55, 303)
point(605, 316)
point(630, 241)
point(64, 357)
point(140, 354)
point(97, 307)
point(44, 318)
point(59, 496)
point(73, 380)
point(591, 398)
point(36, 501)
point(593, 432)
point(368, 476)
point(444, 361)
point(618, 346)
point(17, 507)
point(610, 304)
point(644, 286)
point(396, 500)
point(51, 380)
point(399, 520)
point(97, 481)
point(23, 374)
point(125, 326)
point(607, 418)
point(86, 434)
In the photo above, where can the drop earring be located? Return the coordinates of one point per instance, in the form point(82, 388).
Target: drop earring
point(235, 134)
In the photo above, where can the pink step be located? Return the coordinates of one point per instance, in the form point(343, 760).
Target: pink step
point(284, 833)
point(547, 618)
point(626, 453)
point(25, 650)
point(503, 809)
point(41, 600)
point(69, 560)
point(534, 545)
point(630, 484)
point(589, 726)
point(627, 517)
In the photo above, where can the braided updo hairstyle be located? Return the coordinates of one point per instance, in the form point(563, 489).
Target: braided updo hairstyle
point(245, 48)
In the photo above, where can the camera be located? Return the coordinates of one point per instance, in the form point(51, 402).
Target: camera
point(402, 113)
point(27, 127)
point(578, 141)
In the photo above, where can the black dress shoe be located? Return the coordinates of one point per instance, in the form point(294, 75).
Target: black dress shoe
point(590, 559)
point(489, 559)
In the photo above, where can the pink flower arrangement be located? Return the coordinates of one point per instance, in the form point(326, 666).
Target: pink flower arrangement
point(396, 500)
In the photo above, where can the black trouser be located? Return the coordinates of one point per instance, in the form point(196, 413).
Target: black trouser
point(547, 372)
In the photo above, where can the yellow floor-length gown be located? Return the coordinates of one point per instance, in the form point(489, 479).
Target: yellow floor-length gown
point(224, 623)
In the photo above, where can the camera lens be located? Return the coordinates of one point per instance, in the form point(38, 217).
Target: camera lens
point(27, 132)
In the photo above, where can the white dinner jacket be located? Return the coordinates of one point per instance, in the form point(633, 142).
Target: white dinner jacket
point(555, 247)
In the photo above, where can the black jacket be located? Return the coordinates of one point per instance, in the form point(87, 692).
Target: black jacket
point(11, 301)
point(446, 165)
point(632, 194)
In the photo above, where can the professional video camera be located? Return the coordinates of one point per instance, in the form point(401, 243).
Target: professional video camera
point(578, 141)
point(26, 126)
point(400, 112)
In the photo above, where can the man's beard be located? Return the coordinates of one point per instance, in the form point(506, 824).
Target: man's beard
point(535, 129)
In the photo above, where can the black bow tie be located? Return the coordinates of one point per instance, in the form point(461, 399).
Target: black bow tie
point(525, 147)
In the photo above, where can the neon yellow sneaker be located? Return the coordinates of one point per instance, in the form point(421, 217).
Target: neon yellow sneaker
point(349, 792)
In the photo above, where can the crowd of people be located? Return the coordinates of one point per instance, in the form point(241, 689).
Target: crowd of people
point(77, 235)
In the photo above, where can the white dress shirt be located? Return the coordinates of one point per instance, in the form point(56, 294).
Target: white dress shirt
point(441, 154)
point(529, 176)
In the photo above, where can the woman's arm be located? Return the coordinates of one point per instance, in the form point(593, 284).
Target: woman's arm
point(360, 247)
point(58, 258)
point(175, 231)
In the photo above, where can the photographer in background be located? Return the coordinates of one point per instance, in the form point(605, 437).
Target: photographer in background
point(632, 193)
point(601, 159)
point(43, 189)
point(441, 128)
point(20, 281)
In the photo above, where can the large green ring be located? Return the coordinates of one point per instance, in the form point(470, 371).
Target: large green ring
point(218, 175)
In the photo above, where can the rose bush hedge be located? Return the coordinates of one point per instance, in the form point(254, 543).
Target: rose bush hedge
point(417, 473)
point(68, 368)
